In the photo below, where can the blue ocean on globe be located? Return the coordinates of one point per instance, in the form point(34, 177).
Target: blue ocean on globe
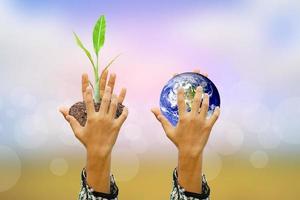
point(189, 81)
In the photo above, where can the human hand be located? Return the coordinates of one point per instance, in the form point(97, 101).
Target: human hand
point(193, 128)
point(192, 131)
point(101, 129)
point(190, 137)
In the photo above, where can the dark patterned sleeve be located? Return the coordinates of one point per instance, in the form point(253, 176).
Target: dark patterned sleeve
point(179, 193)
point(87, 193)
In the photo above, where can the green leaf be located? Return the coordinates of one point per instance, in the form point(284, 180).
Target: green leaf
point(99, 34)
point(111, 62)
point(84, 49)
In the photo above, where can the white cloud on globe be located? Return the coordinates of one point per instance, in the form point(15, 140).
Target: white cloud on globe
point(10, 168)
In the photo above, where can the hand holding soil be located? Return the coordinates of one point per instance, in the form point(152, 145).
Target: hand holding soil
point(99, 127)
point(99, 123)
point(78, 110)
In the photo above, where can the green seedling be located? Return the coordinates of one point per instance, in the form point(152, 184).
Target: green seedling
point(98, 42)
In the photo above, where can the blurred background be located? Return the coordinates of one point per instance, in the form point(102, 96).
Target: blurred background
point(250, 49)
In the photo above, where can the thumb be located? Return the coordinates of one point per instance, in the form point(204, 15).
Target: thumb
point(76, 127)
point(162, 119)
point(64, 111)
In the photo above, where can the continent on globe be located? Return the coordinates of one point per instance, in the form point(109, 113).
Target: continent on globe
point(189, 81)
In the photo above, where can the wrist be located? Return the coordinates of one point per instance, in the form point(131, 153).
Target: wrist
point(189, 170)
point(189, 159)
point(98, 171)
point(98, 153)
point(94, 160)
point(190, 153)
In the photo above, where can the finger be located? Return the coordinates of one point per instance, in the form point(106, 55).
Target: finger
point(196, 101)
point(105, 101)
point(84, 83)
point(122, 95)
point(175, 74)
point(204, 106)
point(121, 119)
point(113, 106)
point(111, 81)
point(76, 127)
point(214, 116)
point(89, 103)
point(162, 119)
point(64, 111)
point(196, 71)
point(181, 102)
point(102, 82)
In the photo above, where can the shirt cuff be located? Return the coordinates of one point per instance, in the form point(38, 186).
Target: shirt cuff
point(191, 195)
point(89, 192)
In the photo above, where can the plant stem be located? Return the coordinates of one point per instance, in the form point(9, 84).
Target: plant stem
point(96, 86)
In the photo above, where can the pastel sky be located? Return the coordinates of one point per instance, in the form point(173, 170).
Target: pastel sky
point(250, 49)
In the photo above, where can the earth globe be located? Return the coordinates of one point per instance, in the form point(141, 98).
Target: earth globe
point(189, 81)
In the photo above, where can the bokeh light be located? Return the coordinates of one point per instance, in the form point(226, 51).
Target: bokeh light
point(259, 159)
point(10, 168)
point(32, 131)
point(59, 166)
point(286, 120)
point(212, 164)
point(269, 139)
point(132, 131)
point(128, 160)
point(227, 137)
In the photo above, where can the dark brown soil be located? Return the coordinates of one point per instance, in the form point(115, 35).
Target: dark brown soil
point(78, 110)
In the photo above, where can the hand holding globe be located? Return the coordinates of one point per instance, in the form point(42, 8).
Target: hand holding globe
point(185, 104)
point(189, 81)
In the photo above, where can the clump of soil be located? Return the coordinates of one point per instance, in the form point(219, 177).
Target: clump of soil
point(78, 110)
